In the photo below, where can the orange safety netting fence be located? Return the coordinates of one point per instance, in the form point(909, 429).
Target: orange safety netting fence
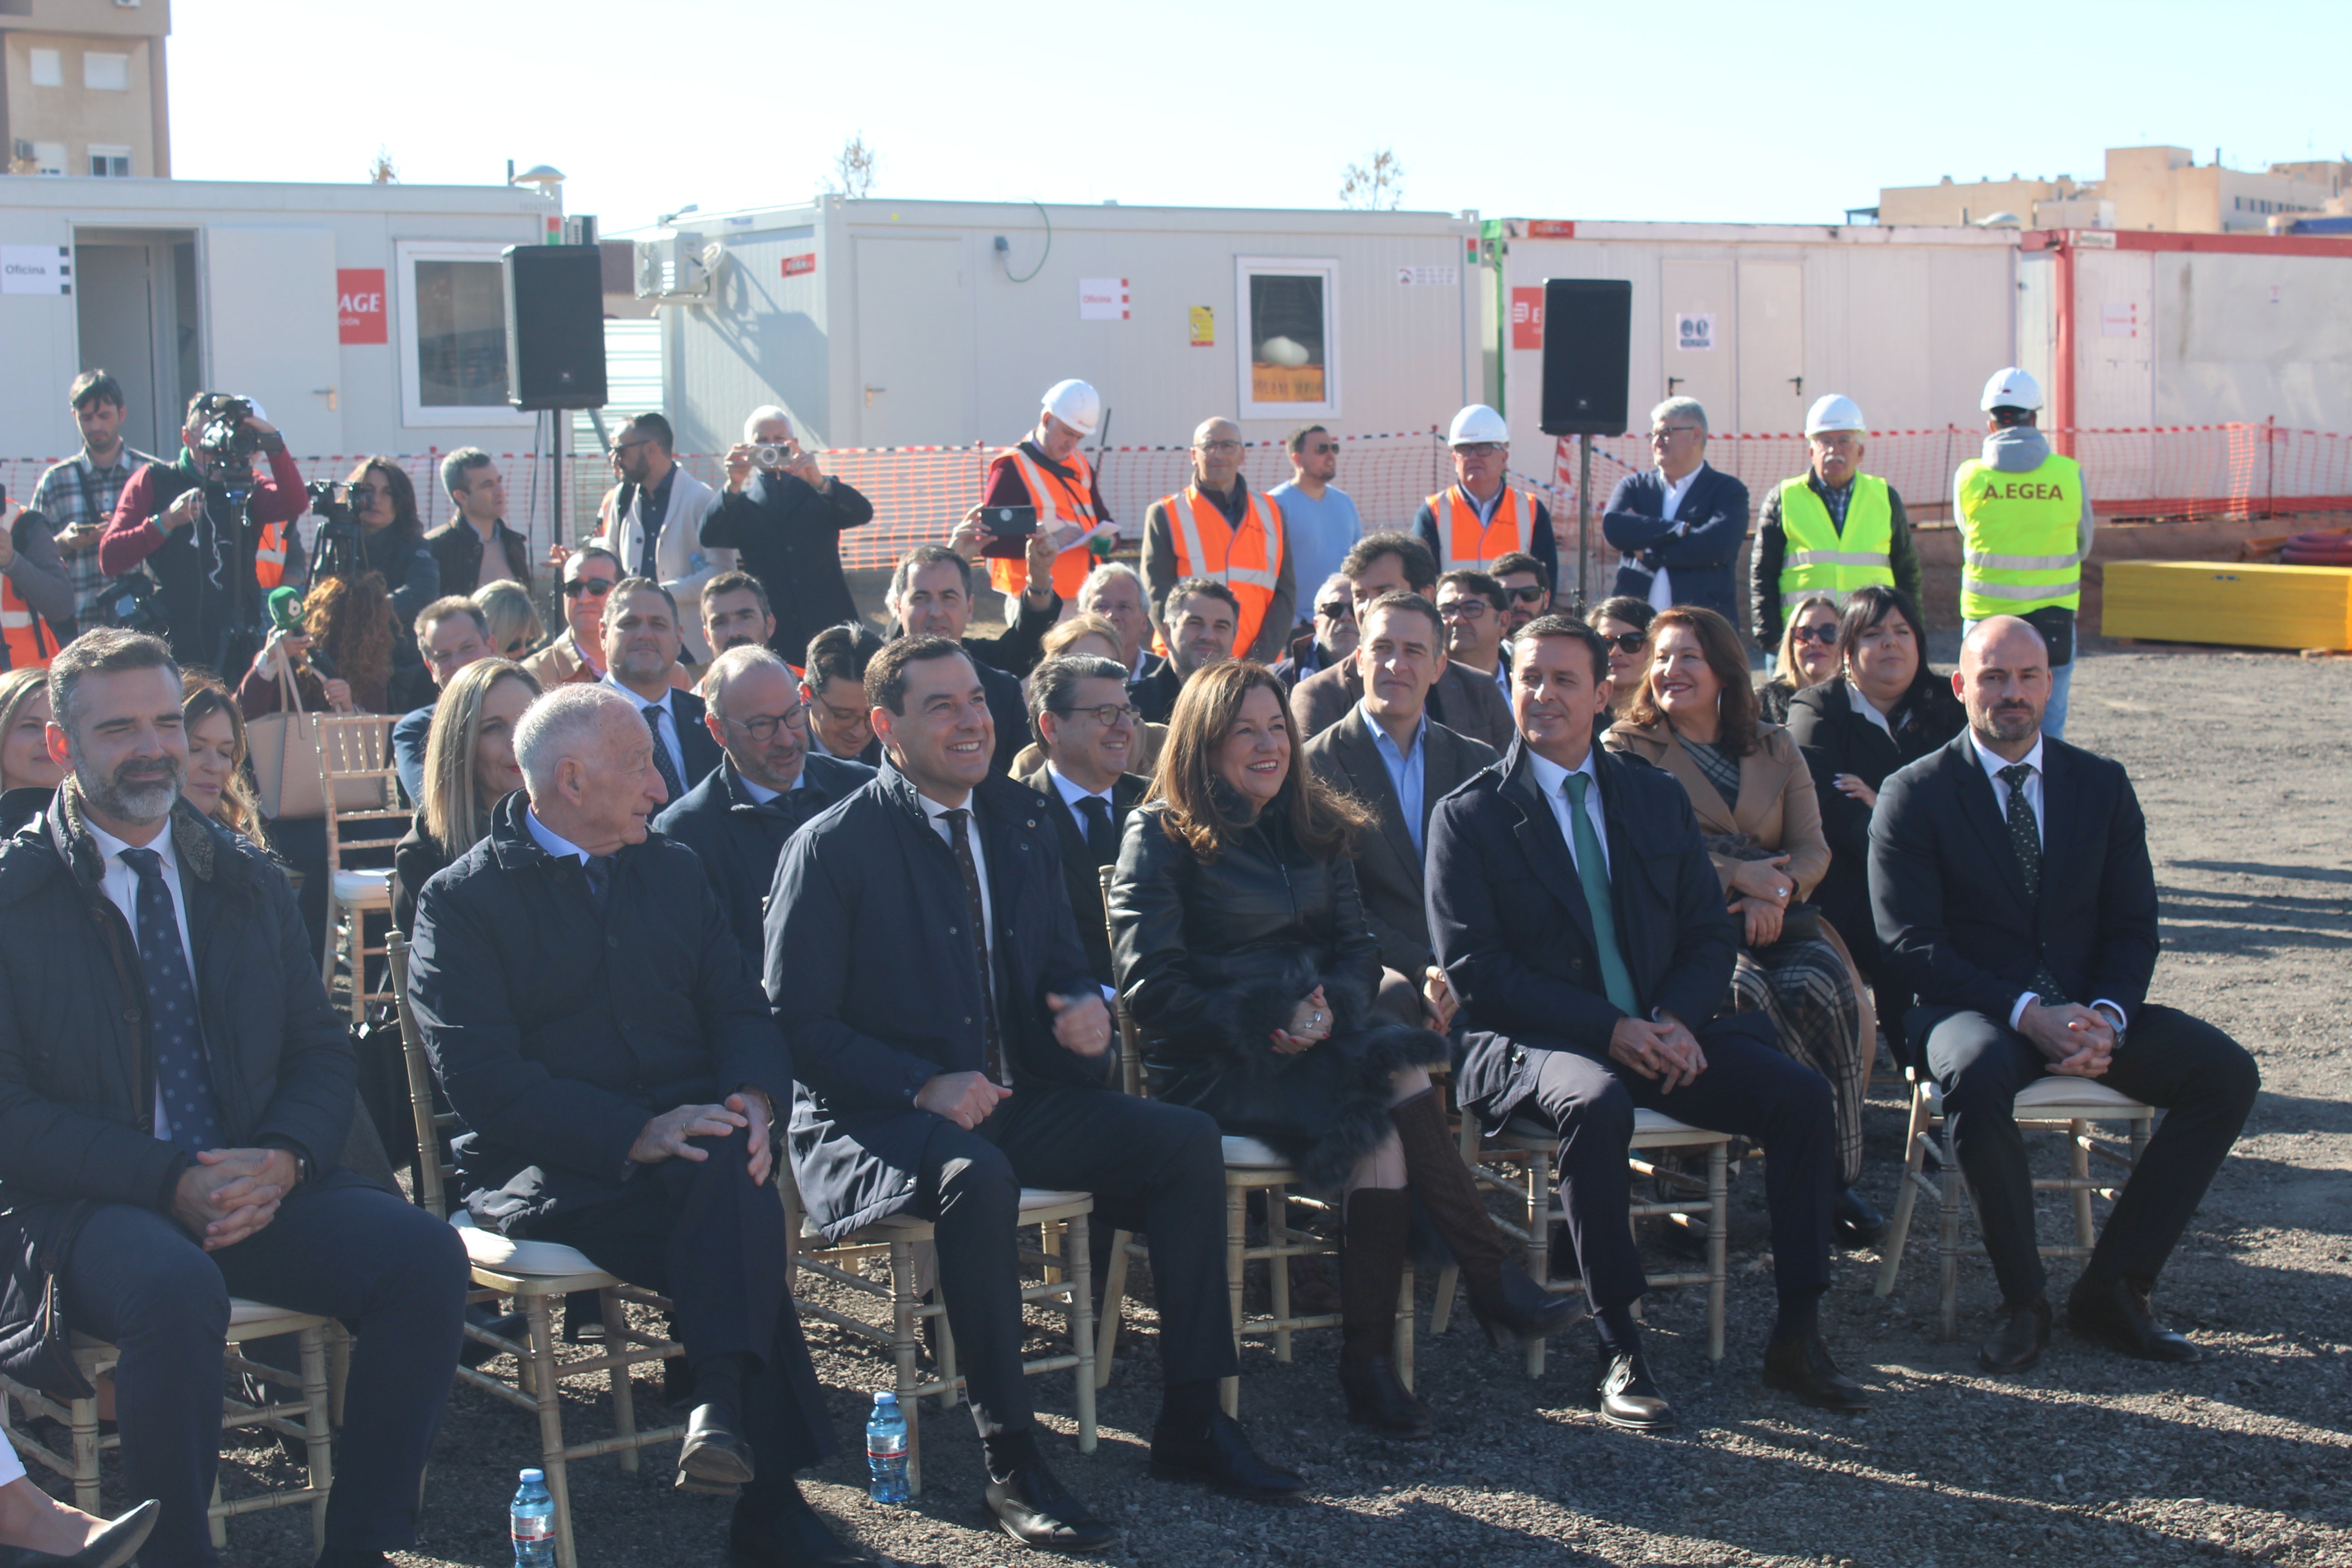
point(919, 493)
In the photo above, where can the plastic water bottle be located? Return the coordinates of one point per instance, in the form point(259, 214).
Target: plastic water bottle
point(886, 1450)
point(531, 1520)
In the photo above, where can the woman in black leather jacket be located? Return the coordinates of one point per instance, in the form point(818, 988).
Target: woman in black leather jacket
point(1243, 952)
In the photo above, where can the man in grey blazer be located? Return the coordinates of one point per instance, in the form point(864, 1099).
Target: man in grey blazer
point(1465, 701)
point(1388, 752)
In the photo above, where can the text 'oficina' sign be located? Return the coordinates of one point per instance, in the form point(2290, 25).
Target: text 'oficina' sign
point(36, 269)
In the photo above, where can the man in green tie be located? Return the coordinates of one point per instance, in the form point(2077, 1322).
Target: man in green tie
point(1581, 927)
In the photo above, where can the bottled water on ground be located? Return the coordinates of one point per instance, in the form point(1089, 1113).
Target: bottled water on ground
point(886, 1450)
point(531, 1520)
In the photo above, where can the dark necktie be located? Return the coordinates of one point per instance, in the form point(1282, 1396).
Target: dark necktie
point(598, 870)
point(958, 834)
point(2025, 839)
point(180, 1070)
point(662, 763)
point(1102, 842)
point(1593, 872)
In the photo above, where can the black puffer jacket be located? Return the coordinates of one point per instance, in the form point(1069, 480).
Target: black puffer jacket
point(1212, 958)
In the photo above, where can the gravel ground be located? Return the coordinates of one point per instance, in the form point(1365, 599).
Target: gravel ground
point(2090, 1458)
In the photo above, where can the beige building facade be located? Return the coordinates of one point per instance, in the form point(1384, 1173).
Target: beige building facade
point(2160, 188)
point(83, 88)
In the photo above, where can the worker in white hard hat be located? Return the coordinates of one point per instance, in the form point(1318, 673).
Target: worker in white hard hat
point(1478, 519)
point(1215, 528)
point(2025, 531)
point(1046, 471)
point(1831, 529)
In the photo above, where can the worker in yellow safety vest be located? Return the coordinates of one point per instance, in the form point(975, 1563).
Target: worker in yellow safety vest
point(1216, 528)
point(1831, 529)
point(1479, 519)
point(1047, 471)
point(2025, 531)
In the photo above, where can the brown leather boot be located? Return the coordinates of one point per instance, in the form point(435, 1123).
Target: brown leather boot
point(1507, 1304)
point(1377, 1228)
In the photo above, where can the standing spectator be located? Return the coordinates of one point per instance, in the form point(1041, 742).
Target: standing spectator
point(735, 614)
point(1678, 527)
point(476, 547)
point(640, 635)
point(1114, 591)
point(1329, 638)
point(139, 931)
point(1319, 518)
point(1201, 617)
point(391, 546)
point(1087, 732)
point(1831, 529)
point(784, 525)
point(832, 684)
point(652, 522)
point(451, 633)
point(513, 619)
point(576, 653)
point(1473, 605)
point(1047, 471)
point(78, 495)
point(37, 596)
point(1465, 700)
point(1214, 528)
point(1479, 519)
point(216, 784)
point(1807, 656)
point(470, 767)
point(930, 595)
point(1525, 579)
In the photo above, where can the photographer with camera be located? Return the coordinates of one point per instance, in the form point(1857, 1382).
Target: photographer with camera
point(215, 534)
point(378, 532)
point(783, 517)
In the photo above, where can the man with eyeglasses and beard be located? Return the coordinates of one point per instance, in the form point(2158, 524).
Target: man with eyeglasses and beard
point(1678, 526)
point(575, 656)
point(1528, 585)
point(773, 781)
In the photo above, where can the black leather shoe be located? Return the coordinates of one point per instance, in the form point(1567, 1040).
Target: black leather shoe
point(783, 1531)
point(1221, 1457)
point(1036, 1510)
point(1377, 1397)
point(1857, 1221)
point(1626, 1395)
point(715, 1459)
point(2017, 1342)
point(1804, 1367)
point(2116, 1315)
point(1519, 1310)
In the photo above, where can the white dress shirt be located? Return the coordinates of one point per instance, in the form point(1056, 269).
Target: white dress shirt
point(937, 816)
point(1662, 592)
point(1552, 779)
point(1993, 762)
point(761, 793)
point(1071, 794)
point(670, 738)
point(121, 884)
point(1869, 710)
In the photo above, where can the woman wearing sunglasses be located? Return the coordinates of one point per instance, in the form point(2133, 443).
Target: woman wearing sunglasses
point(391, 546)
point(1808, 656)
point(1623, 623)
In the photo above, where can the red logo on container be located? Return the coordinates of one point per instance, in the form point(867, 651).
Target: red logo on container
point(1526, 318)
point(359, 304)
point(799, 266)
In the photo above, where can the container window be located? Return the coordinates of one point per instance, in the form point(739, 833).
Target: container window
point(1288, 347)
point(452, 332)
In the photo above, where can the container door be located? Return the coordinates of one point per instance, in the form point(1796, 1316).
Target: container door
point(271, 317)
point(116, 301)
point(1772, 395)
point(2115, 400)
point(1698, 317)
point(914, 343)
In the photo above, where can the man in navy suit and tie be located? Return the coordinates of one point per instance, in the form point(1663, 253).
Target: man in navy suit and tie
point(2011, 884)
point(641, 644)
point(1680, 525)
point(1583, 927)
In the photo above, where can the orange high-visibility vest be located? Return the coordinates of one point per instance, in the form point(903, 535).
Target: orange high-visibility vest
point(1060, 503)
point(29, 644)
point(1248, 558)
point(1468, 545)
point(269, 556)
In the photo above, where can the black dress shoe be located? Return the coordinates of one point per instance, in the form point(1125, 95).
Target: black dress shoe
point(715, 1460)
point(1625, 1396)
point(2017, 1342)
point(1036, 1510)
point(1857, 1221)
point(1804, 1367)
point(2116, 1315)
point(1221, 1457)
point(783, 1531)
point(1377, 1397)
point(1517, 1309)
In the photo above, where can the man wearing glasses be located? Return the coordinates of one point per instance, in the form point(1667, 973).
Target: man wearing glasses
point(652, 522)
point(1319, 518)
point(576, 653)
point(1831, 529)
point(1214, 528)
point(1473, 607)
point(1078, 706)
point(1329, 640)
point(1679, 526)
point(737, 817)
point(1527, 585)
point(1479, 519)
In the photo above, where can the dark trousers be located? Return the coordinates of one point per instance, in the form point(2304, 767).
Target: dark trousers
point(702, 1234)
point(337, 1247)
point(1748, 1089)
point(1153, 1168)
point(2203, 1081)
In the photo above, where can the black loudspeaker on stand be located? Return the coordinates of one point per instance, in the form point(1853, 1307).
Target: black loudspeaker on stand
point(555, 326)
point(1588, 352)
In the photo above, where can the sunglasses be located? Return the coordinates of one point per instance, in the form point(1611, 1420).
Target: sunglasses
point(595, 587)
point(1627, 642)
point(1337, 609)
point(1533, 593)
point(1825, 635)
point(1323, 448)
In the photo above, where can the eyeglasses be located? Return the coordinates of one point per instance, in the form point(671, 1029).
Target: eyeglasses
point(1322, 448)
point(594, 587)
point(1627, 642)
point(1465, 610)
point(1825, 635)
point(1107, 715)
point(762, 729)
point(1337, 609)
point(1478, 450)
point(1217, 447)
point(621, 447)
point(1668, 432)
point(1533, 593)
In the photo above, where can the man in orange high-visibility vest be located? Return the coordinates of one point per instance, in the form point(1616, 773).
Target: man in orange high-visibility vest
point(1215, 528)
point(1479, 518)
point(1047, 471)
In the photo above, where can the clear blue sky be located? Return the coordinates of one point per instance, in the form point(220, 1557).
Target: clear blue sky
point(1755, 112)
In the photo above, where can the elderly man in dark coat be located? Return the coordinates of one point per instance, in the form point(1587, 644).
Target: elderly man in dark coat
point(176, 1091)
point(784, 523)
point(737, 817)
point(591, 1019)
point(953, 1046)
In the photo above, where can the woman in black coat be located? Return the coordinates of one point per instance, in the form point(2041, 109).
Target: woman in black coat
point(1243, 952)
point(470, 767)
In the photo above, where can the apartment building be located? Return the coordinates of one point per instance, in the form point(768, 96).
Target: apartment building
point(2160, 188)
point(83, 90)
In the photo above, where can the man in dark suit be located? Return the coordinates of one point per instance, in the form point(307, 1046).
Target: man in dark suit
point(1465, 700)
point(953, 1047)
point(1200, 618)
point(784, 524)
point(2011, 884)
point(832, 684)
point(451, 633)
point(1331, 638)
point(930, 595)
point(1078, 707)
point(591, 1020)
point(1679, 526)
point(737, 819)
point(641, 644)
point(1389, 755)
point(1581, 926)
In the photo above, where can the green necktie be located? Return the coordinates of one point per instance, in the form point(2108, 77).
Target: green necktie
point(1593, 870)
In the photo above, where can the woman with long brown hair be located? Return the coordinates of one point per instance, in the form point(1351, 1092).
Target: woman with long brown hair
point(391, 546)
point(1242, 949)
point(215, 784)
point(470, 767)
point(1807, 657)
point(1696, 716)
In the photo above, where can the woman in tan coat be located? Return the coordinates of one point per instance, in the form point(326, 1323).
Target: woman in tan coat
point(1696, 716)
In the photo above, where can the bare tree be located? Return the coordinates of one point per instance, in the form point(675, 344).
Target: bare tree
point(1378, 186)
point(853, 170)
point(381, 172)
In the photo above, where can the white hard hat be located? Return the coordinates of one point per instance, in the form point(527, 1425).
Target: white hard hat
point(1835, 411)
point(2011, 388)
point(1477, 424)
point(1075, 405)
